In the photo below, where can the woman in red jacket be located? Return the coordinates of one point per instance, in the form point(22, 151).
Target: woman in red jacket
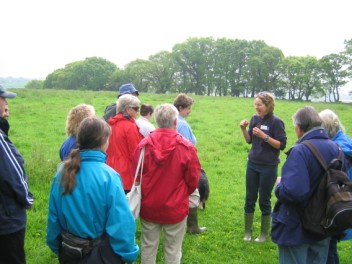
point(171, 172)
point(124, 139)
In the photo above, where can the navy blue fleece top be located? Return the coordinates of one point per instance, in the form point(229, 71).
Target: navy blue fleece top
point(262, 152)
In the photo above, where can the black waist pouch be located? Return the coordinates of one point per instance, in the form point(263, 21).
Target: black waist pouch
point(76, 248)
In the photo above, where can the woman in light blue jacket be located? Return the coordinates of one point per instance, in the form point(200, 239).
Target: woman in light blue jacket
point(335, 130)
point(87, 201)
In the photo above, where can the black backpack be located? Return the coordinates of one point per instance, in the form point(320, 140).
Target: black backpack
point(329, 210)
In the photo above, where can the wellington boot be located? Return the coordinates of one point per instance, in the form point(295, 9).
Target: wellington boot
point(264, 229)
point(248, 223)
point(192, 222)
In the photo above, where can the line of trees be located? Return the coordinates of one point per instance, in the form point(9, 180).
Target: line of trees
point(221, 67)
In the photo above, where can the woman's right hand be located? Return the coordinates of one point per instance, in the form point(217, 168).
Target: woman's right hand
point(244, 124)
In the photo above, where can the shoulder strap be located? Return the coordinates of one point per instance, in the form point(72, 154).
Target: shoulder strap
point(340, 154)
point(316, 153)
point(139, 165)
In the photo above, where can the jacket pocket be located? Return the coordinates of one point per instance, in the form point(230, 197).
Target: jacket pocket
point(285, 223)
point(4, 206)
point(285, 215)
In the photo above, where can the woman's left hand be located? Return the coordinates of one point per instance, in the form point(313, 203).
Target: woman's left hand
point(258, 133)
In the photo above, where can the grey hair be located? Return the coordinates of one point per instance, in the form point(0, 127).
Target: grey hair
point(331, 122)
point(306, 118)
point(165, 115)
point(125, 101)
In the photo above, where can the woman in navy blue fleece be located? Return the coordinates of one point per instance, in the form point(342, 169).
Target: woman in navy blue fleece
point(267, 135)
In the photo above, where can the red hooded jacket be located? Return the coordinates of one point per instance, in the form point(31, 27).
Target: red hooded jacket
point(170, 174)
point(123, 142)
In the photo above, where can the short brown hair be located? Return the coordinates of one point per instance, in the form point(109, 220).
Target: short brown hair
point(268, 100)
point(183, 100)
point(146, 109)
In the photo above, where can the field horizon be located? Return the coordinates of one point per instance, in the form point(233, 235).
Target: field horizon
point(37, 119)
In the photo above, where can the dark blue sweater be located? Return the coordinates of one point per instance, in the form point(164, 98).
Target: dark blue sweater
point(262, 152)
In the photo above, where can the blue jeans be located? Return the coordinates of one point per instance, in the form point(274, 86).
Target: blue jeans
point(259, 178)
point(315, 253)
point(333, 256)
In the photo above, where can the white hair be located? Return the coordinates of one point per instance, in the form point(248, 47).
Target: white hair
point(331, 122)
point(165, 115)
point(125, 101)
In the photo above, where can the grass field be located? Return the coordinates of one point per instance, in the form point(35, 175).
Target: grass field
point(38, 130)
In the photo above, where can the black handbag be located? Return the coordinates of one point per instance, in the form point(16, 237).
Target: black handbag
point(76, 248)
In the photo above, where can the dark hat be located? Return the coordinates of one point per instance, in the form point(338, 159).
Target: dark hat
point(127, 88)
point(5, 94)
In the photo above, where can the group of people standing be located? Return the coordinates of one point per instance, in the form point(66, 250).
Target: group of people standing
point(99, 160)
point(300, 176)
point(89, 220)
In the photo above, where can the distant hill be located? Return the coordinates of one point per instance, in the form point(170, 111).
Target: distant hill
point(13, 82)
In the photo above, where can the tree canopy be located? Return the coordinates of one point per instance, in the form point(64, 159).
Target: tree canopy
point(205, 66)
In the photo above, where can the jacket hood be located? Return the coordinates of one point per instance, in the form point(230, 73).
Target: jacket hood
point(163, 142)
point(344, 141)
point(314, 133)
point(118, 118)
point(93, 155)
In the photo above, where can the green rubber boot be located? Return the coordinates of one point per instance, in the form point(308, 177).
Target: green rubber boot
point(264, 229)
point(192, 222)
point(248, 224)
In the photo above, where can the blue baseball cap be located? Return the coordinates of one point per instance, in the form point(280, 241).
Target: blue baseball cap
point(5, 94)
point(127, 88)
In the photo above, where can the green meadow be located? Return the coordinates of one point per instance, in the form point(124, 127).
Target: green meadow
point(38, 129)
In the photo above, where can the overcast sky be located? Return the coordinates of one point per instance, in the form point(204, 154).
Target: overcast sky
point(39, 36)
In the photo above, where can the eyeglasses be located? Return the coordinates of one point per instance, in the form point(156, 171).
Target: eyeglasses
point(135, 108)
point(263, 94)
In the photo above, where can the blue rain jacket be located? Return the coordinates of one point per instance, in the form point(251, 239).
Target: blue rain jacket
point(97, 204)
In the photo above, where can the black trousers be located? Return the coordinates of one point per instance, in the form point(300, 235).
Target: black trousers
point(12, 248)
point(100, 254)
